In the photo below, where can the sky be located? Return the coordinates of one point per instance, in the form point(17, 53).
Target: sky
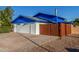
point(68, 12)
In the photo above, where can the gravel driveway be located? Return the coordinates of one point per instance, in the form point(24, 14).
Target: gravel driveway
point(16, 42)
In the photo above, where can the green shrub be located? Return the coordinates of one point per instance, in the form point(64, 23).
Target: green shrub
point(5, 29)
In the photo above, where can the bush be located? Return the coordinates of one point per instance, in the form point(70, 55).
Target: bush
point(5, 29)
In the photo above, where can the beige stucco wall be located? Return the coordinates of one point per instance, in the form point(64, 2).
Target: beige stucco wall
point(74, 30)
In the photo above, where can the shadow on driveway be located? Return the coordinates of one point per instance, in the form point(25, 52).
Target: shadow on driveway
point(72, 49)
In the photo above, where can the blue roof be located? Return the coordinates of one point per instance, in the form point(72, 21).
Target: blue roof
point(23, 19)
point(50, 18)
point(39, 20)
point(40, 17)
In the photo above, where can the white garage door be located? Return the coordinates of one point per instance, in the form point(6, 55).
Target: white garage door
point(28, 28)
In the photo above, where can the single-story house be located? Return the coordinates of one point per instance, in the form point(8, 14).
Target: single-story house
point(43, 24)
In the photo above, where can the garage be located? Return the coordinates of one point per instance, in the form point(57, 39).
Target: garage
point(25, 28)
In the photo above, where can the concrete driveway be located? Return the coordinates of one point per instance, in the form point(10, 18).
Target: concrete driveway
point(16, 42)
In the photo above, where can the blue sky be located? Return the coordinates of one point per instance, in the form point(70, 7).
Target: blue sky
point(68, 12)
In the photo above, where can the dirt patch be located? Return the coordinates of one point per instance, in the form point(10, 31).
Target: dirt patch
point(61, 44)
point(74, 30)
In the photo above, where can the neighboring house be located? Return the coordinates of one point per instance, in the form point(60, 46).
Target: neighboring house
point(43, 24)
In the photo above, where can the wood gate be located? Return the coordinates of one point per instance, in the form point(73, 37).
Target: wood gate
point(61, 29)
point(49, 29)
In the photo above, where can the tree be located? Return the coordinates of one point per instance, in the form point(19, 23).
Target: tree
point(76, 22)
point(5, 19)
point(7, 15)
point(1, 22)
point(65, 20)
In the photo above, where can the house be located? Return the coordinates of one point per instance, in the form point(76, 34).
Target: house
point(27, 24)
point(43, 24)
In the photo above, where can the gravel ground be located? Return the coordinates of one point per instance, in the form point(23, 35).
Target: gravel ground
point(16, 42)
point(65, 44)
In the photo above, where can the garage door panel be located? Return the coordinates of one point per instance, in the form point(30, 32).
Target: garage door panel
point(33, 28)
point(23, 28)
point(26, 28)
